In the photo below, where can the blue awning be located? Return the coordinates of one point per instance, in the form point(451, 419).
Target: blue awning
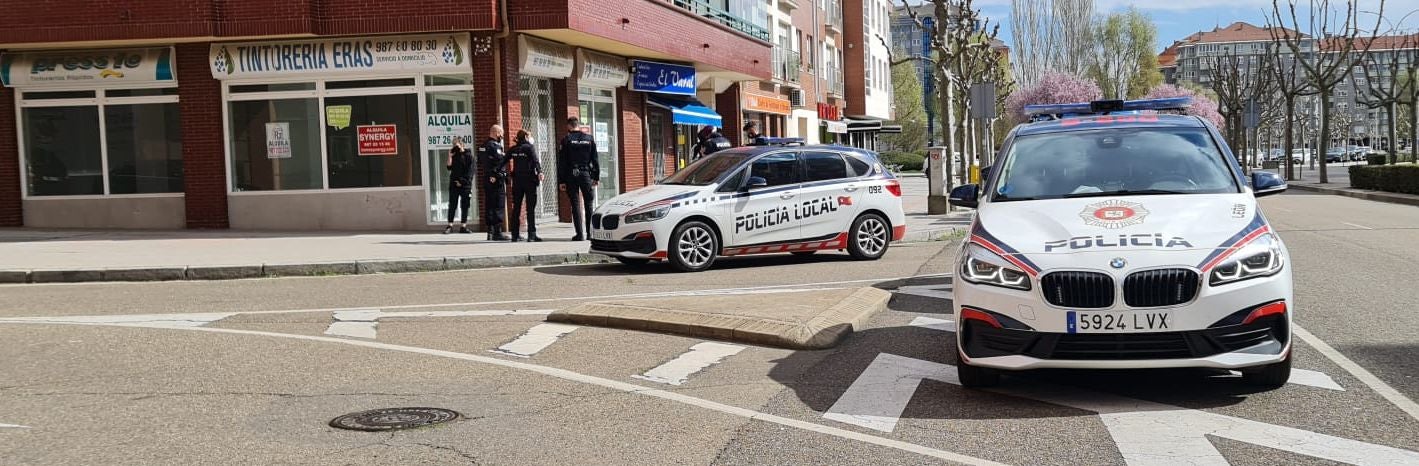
point(686, 110)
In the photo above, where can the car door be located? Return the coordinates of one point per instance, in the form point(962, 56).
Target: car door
point(829, 198)
point(764, 214)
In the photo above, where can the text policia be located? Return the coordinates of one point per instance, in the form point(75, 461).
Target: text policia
point(784, 214)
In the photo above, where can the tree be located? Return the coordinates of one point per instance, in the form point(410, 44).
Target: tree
point(910, 111)
point(1052, 88)
point(1202, 105)
point(1288, 81)
point(1125, 64)
point(1051, 35)
point(1337, 52)
point(1407, 83)
point(1382, 88)
point(1239, 78)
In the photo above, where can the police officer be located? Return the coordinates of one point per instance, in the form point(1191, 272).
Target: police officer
point(460, 184)
point(711, 141)
point(578, 172)
point(526, 178)
point(494, 165)
point(751, 130)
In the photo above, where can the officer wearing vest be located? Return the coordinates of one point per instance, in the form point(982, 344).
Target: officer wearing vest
point(526, 179)
point(494, 167)
point(711, 141)
point(578, 173)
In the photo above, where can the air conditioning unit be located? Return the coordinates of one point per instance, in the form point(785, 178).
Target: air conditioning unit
point(795, 97)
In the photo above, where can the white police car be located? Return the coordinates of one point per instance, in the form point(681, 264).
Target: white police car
point(756, 200)
point(1110, 239)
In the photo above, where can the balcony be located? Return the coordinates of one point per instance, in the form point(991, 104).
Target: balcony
point(833, 78)
point(787, 65)
point(835, 16)
point(723, 17)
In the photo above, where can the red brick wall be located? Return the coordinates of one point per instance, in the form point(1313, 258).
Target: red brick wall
point(728, 105)
point(485, 111)
point(236, 18)
point(854, 71)
point(204, 163)
point(10, 215)
point(68, 20)
point(636, 167)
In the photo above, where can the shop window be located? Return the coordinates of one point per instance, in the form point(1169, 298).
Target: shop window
point(278, 87)
point(289, 158)
point(50, 95)
point(141, 92)
point(378, 146)
point(144, 148)
point(396, 82)
point(62, 151)
point(448, 80)
point(64, 135)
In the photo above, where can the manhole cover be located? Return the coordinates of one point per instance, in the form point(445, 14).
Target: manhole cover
point(393, 419)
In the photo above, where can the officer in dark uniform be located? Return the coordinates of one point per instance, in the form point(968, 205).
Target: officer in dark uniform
point(711, 141)
point(494, 166)
point(526, 179)
point(578, 173)
point(751, 131)
point(460, 184)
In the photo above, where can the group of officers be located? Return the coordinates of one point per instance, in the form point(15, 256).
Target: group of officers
point(578, 174)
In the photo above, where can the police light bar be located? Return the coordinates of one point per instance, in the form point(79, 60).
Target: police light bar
point(783, 141)
point(1104, 107)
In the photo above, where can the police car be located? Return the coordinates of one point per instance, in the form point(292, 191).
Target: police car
point(1110, 238)
point(779, 198)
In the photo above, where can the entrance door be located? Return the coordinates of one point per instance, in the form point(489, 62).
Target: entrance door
point(537, 119)
point(445, 102)
point(655, 123)
point(598, 114)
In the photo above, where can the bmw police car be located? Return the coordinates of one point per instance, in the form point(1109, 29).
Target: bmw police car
point(1106, 238)
point(755, 200)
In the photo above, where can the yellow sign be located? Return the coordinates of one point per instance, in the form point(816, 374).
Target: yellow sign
point(338, 116)
point(759, 103)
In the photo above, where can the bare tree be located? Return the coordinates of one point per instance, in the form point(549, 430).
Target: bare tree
point(1336, 51)
point(1286, 77)
point(1075, 20)
point(1238, 77)
point(1051, 35)
point(1382, 88)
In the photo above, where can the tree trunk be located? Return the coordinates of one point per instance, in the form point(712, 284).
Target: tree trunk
point(1393, 134)
point(1414, 128)
point(1324, 134)
point(1289, 143)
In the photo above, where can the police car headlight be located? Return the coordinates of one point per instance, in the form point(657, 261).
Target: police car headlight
point(1261, 258)
point(648, 215)
point(986, 268)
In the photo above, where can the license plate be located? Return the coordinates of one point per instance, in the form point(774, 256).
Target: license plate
point(1119, 322)
point(601, 235)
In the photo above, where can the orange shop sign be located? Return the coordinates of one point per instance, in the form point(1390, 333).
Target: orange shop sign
point(378, 140)
point(758, 103)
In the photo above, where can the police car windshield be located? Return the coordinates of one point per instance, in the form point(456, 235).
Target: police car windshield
point(706, 170)
point(1114, 161)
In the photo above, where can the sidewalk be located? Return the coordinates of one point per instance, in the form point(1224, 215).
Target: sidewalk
point(42, 256)
point(1338, 176)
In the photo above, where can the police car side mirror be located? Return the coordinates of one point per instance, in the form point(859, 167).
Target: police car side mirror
point(1267, 183)
point(965, 196)
point(756, 182)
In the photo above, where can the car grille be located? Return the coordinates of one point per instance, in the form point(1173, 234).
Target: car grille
point(1166, 287)
point(1079, 290)
point(980, 340)
point(595, 220)
point(610, 222)
point(642, 245)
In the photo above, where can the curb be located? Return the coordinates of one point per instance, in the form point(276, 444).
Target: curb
point(823, 331)
point(1377, 196)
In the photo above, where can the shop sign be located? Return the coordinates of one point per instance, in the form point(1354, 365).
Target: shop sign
point(545, 59)
point(87, 68)
point(836, 127)
point(431, 53)
point(337, 116)
point(601, 70)
point(278, 140)
point(662, 78)
point(829, 112)
point(441, 130)
point(377, 140)
point(759, 103)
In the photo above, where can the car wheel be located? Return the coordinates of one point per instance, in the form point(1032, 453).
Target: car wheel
point(869, 236)
point(804, 253)
point(1270, 376)
point(693, 247)
point(633, 262)
point(975, 376)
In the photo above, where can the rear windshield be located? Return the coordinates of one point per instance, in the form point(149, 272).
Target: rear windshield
point(1114, 161)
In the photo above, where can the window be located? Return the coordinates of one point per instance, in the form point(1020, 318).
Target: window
point(859, 167)
point(358, 157)
point(776, 169)
point(823, 166)
point(65, 133)
point(275, 145)
point(1110, 161)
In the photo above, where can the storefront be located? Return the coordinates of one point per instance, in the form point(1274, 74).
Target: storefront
point(99, 136)
point(540, 62)
point(769, 112)
point(671, 87)
point(599, 78)
point(343, 133)
point(834, 130)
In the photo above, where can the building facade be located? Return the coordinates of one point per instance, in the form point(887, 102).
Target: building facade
point(337, 115)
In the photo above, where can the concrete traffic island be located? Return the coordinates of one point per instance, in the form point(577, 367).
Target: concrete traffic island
point(815, 319)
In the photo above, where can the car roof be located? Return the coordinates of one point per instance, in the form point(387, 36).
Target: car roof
point(1109, 121)
point(752, 151)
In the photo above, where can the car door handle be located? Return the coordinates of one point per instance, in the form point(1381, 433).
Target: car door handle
point(850, 188)
point(786, 196)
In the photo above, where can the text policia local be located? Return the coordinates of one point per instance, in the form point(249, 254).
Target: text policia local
point(784, 214)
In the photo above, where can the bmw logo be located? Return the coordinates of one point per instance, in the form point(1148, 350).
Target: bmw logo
point(1118, 263)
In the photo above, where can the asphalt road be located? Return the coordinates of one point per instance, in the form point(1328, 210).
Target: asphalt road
point(249, 371)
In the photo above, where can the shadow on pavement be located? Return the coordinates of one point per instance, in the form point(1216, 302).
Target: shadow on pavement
point(723, 263)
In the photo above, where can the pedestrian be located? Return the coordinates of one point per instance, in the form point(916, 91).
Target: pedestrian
point(460, 184)
point(711, 141)
point(494, 163)
point(755, 138)
point(578, 173)
point(526, 179)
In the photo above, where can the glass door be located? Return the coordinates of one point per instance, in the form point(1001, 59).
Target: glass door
point(446, 102)
point(536, 95)
point(598, 114)
point(656, 138)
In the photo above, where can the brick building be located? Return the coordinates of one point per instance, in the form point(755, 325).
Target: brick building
point(336, 114)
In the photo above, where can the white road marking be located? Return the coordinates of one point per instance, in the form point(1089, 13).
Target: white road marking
point(613, 385)
point(357, 323)
point(537, 338)
point(934, 324)
point(700, 356)
point(1362, 227)
point(134, 320)
point(1146, 433)
point(1309, 378)
point(929, 291)
point(1379, 386)
point(518, 312)
point(13, 426)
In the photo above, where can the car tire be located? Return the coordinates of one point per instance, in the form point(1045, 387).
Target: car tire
point(804, 253)
point(693, 247)
point(869, 237)
point(975, 376)
point(1270, 376)
point(633, 262)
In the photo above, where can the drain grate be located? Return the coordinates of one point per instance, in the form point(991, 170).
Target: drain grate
point(376, 420)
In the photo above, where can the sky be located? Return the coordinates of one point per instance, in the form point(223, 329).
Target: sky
point(1177, 19)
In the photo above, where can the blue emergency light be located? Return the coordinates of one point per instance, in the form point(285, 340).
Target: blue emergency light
point(1104, 107)
point(783, 141)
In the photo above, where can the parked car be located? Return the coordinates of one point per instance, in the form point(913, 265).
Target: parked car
point(1299, 156)
point(1335, 155)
